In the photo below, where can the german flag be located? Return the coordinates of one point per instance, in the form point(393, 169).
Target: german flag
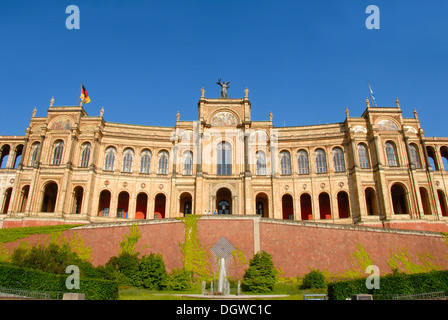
point(84, 96)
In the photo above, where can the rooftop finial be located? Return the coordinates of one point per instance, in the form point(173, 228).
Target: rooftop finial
point(367, 102)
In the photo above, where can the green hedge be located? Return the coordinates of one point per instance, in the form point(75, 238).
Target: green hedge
point(36, 280)
point(391, 285)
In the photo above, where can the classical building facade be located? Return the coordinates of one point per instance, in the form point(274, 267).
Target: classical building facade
point(366, 170)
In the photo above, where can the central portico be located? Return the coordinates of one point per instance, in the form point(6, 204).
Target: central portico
point(223, 135)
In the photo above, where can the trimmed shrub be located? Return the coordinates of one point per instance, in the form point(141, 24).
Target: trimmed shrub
point(151, 272)
point(125, 266)
point(313, 280)
point(390, 285)
point(36, 280)
point(261, 275)
point(179, 279)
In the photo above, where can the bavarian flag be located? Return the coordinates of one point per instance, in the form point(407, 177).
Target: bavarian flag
point(84, 96)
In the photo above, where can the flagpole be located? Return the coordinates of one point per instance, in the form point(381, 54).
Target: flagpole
point(79, 96)
point(370, 93)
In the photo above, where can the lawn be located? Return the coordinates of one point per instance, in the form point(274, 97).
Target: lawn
point(285, 286)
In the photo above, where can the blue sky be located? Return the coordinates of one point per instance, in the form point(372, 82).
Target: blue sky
point(303, 60)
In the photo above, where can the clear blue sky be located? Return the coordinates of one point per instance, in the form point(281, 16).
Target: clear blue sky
point(145, 60)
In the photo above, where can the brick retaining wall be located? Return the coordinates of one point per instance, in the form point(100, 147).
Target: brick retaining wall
point(294, 246)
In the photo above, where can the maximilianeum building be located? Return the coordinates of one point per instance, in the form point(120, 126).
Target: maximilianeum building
point(369, 169)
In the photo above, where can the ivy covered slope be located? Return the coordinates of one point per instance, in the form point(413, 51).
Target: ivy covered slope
point(13, 234)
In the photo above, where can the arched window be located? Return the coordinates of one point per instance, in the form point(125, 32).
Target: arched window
point(18, 156)
point(302, 160)
point(444, 154)
point(128, 159)
point(109, 160)
point(224, 159)
point(145, 161)
point(432, 158)
point(391, 155)
point(163, 163)
point(414, 156)
point(321, 161)
point(338, 160)
point(57, 152)
point(34, 153)
point(285, 163)
point(187, 160)
point(363, 155)
point(4, 156)
point(261, 163)
point(85, 155)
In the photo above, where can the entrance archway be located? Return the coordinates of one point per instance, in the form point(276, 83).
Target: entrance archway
point(442, 202)
point(185, 203)
point(141, 206)
point(343, 205)
point(7, 196)
point(399, 199)
point(77, 199)
point(287, 207)
point(306, 210)
point(425, 201)
point(24, 198)
point(104, 203)
point(159, 207)
point(262, 205)
point(123, 205)
point(224, 201)
point(49, 199)
point(371, 202)
point(324, 206)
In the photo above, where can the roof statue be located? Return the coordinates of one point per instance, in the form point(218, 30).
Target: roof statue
point(224, 85)
point(202, 93)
